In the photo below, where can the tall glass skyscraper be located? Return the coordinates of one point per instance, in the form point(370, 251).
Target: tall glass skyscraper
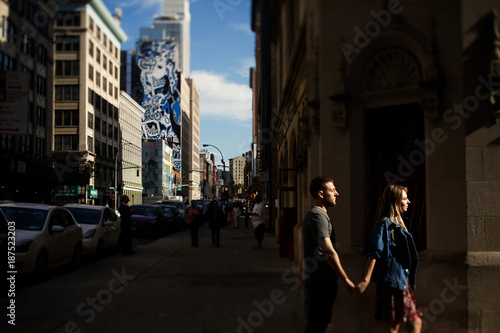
point(173, 24)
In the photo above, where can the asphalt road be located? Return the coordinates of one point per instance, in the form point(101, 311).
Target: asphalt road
point(168, 286)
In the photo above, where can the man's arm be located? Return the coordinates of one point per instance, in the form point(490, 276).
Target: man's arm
point(333, 260)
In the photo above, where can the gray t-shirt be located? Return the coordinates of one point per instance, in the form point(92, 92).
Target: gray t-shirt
point(317, 225)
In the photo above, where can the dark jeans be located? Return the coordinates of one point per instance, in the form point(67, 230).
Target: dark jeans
point(215, 236)
point(321, 299)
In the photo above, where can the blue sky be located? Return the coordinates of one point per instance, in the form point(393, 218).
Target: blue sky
point(222, 51)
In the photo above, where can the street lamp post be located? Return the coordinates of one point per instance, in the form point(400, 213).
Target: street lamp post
point(223, 163)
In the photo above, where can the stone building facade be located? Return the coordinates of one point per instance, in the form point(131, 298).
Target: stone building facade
point(377, 92)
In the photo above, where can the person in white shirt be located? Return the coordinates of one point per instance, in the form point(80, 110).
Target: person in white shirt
point(258, 221)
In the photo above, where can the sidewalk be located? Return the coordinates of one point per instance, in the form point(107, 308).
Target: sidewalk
point(231, 288)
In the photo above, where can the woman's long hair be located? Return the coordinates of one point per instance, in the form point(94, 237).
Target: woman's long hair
point(390, 204)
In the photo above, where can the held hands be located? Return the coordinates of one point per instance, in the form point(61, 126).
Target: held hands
point(361, 287)
point(356, 290)
point(351, 288)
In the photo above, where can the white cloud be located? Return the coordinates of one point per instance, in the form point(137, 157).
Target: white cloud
point(245, 27)
point(142, 4)
point(221, 98)
point(244, 69)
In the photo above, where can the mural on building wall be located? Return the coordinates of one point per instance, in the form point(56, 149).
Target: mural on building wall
point(161, 94)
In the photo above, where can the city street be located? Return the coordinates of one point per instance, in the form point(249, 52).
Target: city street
point(168, 286)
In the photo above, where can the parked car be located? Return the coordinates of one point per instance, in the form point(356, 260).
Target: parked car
point(100, 227)
point(175, 220)
point(180, 205)
point(148, 220)
point(46, 237)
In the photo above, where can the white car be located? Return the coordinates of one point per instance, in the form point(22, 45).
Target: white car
point(101, 227)
point(46, 236)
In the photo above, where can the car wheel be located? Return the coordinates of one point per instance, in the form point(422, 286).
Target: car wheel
point(77, 256)
point(41, 265)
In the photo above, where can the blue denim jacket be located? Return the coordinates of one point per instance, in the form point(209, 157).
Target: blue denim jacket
point(395, 253)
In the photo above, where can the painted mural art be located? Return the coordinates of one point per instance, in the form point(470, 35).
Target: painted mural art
point(161, 94)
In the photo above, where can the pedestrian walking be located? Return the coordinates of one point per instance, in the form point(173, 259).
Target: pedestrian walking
point(258, 221)
point(392, 261)
point(322, 263)
point(236, 214)
point(195, 220)
point(216, 220)
point(126, 226)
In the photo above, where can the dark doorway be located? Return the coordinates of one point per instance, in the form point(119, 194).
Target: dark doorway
point(395, 154)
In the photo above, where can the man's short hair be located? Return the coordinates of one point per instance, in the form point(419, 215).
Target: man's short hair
point(317, 184)
point(124, 197)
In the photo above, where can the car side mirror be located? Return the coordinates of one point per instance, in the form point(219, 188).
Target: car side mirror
point(57, 228)
point(108, 223)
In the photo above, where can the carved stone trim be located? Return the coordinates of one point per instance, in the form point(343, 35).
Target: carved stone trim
point(390, 69)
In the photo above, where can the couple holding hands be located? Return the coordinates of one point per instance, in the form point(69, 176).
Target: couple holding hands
point(391, 262)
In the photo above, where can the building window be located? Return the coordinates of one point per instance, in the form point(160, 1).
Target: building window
point(90, 120)
point(91, 96)
point(98, 55)
point(67, 93)
point(104, 83)
point(66, 117)
point(98, 33)
point(2, 26)
point(67, 67)
point(90, 143)
point(98, 79)
point(97, 124)
point(42, 55)
point(97, 147)
point(110, 89)
point(104, 62)
point(65, 142)
point(68, 19)
point(91, 49)
point(110, 68)
point(41, 85)
point(91, 24)
point(91, 72)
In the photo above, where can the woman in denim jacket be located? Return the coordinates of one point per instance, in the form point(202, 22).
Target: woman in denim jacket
point(392, 261)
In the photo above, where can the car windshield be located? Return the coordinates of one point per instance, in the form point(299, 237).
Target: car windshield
point(169, 211)
point(85, 215)
point(25, 218)
point(173, 203)
point(144, 210)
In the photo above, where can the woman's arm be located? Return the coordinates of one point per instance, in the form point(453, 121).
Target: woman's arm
point(370, 264)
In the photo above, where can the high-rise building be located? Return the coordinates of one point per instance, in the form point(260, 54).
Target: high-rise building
point(86, 96)
point(155, 75)
point(129, 179)
point(191, 172)
point(26, 102)
point(174, 24)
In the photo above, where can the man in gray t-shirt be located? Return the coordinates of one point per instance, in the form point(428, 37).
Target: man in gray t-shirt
point(322, 263)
